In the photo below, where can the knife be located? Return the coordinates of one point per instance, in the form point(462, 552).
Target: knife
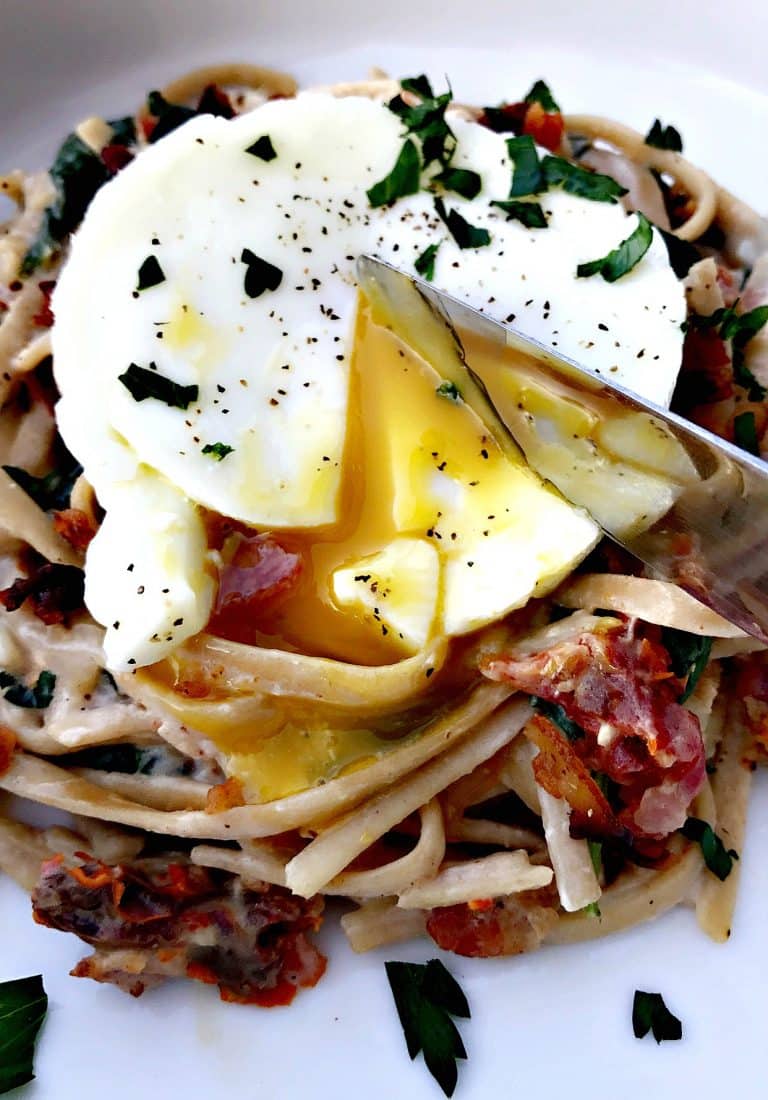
point(691, 506)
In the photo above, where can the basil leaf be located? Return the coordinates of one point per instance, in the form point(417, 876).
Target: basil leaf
point(688, 655)
point(419, 85)
point(426, 120)
point(527, 178)
point(682, 254)
point(580, 181)
point(718, 859)
point(404, 179)
point(745, 433)
point(142, 383)
point(123, 131)
point(620, 261)
point(449, 390)
point(125, 759)
point(262, 148)
point(463, 181)
point(23, 1006)
point(77, 173)
point(52, 491)
point(169, 115)
point(739, 328)
point(218, 450)
point(649, 1013)
point(260, 275)
point(541, 94)
point(465, 235)
point(31, 698)
point(664, 137)
point(425, 263)
point(529, 213)
point(150, 274)
point(426, 996)
point(557, 716)
point(507, 118)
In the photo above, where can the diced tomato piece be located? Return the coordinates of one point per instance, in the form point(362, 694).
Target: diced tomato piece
point(545, 128)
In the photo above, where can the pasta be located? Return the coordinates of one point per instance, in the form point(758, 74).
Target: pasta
point(449, 807)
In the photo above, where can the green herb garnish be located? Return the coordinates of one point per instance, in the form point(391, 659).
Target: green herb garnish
point(125, 759)
point(23, 1005)
point(52, 491)
point(425, 263)
point(527, 178)
point(426, 120)
point(620, 261)
point(449, 390)
point(745, 433)
point(32, 698)
point(718, 859)
point(260, 275)
point(169, 115)
point(682, 254)
point(150, 274)
point(426, 997)
point(556, 714)
point(649, 1013)
point(465, 235)
point(123, 130)
point(664, 137)
point(463, 181)
point(218, 450)
point(688, 655)
point(739, 328)
point(579, 181)
point(529, 213)
point(142, 383)
point(404, 179)
point(541, 94)
point(262, 148)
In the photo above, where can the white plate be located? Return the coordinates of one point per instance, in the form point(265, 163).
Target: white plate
point(552, 1024)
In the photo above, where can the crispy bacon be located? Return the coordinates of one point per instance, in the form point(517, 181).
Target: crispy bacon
point(55, 592)
point(7, 748)
point(261, 573)
point(618, 687)
point(75, 526)
point(44, 316)
point(507, 926)
point(164, 917)
point(116, 157)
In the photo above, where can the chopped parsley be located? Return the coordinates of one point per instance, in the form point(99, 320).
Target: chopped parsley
point(529, 213)
point(745, 433)
point(463, 181)
point(664, 137)
point(688, 655)
point(142, 383)
point(718, 859)
point(557, 716)
point(426, 120)
point(576, 180)
point(426, 997)
point(449, 390)
point(541, 94)
point(169, 115)
point(218, 450)
point(262, 148)
point(123, 131)
point(739, 328)
point(260, 275)
point(125, 759)
point(649, 1013)
point(527, 177)
point(52, 491)
point(37, 697)
point(682, 254)
point(150, 274)
point(23, 1007)
point(620, 261)
point(425, 263)
point(404, 179)
point(465, 235)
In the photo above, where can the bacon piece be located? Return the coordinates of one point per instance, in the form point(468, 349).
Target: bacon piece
point(75, 526)
point(224, 796)
point(260, 575)
point(55, 592)
point(7, 748)
point(509, 926)
point(44, 317)
point(116, 157)
point(618, 687)
point(163, 917)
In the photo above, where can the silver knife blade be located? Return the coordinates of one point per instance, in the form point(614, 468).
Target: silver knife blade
point(691, 506)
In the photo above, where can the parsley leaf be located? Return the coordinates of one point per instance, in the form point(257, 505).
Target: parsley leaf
point(688, 655)
point(150, 274)
point(541, 94)
point(426, 120)
point(465, 235)
point(449, 390)
point(557, 716)
point(664, 137)
point(463, 181)
point(426, 996)
point(649, 1013)
point(260, 275)
point(32, 698)
point(580, 181)
point(52, 491)
point(620, 261)
point(425, 263)
point(745, 433)
point(218, 450)
point(717, 858)
point(527, 178)
point(529, 213)
point(142, 383)
point(262, 148)
point(404, 179)
point(23, 1006)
